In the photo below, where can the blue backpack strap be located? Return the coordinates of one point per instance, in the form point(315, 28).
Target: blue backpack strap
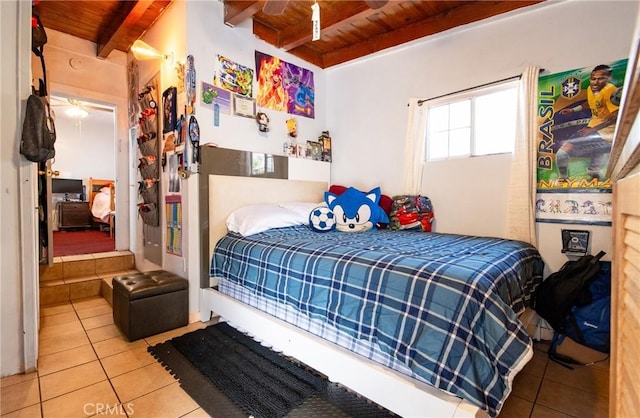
point(559, 358)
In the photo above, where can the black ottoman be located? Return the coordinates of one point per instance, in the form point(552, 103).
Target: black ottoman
point(149, 303)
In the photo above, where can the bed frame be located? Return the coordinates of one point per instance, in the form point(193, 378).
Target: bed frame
point(388, 388)
point(94, 188)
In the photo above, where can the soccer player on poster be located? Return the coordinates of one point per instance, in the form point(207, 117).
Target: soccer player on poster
point(594, 140)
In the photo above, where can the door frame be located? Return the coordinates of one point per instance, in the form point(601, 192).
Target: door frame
point(28, 177)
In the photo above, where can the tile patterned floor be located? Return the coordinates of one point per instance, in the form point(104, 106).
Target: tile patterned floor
point(87, 368)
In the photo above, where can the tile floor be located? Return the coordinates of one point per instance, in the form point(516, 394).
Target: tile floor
point(87, 368)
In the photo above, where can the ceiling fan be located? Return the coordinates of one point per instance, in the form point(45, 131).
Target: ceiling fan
point(277, 7)
point(75, 107)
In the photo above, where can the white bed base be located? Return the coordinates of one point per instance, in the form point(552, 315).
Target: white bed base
point(405, 396)
point(393, 390)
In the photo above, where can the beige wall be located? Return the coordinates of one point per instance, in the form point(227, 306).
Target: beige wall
point(74, 71)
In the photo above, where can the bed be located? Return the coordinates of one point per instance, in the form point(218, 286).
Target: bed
point(102, 202)
point(452, 351)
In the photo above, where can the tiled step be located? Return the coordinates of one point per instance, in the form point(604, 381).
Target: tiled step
point(76, 277)
point(106, 289)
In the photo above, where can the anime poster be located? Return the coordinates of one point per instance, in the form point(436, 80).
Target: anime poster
point(169, 98)
point(284, 87)
point(233, 77)
point(577, 113)
point(212, 96)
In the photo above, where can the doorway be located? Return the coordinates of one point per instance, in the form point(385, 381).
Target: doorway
point(83, 177)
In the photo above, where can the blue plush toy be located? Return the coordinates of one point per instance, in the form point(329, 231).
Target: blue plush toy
point(355, 211)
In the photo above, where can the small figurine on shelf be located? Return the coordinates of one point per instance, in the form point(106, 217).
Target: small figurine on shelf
point(325, 141)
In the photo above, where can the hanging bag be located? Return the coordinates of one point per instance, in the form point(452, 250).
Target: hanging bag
point(38, 128)
point(38, 131)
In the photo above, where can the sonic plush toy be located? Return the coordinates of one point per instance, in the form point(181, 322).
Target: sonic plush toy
point(355, 211)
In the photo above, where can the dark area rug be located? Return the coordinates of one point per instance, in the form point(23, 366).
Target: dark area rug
point(87, 241)
point(229, 374)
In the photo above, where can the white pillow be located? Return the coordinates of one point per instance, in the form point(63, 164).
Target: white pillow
point(302, 209)
point(252, 219)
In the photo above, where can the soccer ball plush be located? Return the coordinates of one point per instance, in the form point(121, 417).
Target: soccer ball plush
point(321, 219)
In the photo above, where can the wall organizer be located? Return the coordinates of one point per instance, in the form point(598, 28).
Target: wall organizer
point(148, 148)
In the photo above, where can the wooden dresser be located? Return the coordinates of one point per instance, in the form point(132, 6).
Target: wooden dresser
point(74, 215)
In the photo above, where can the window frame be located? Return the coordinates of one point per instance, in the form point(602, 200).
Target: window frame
point(469, 94)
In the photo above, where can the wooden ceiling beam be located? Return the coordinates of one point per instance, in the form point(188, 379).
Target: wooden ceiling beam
point(236, 11)
point(108, 41)
point(462, 15)
point(270, 36)
point(330, 19)
point(264, 32)
point(310, 55)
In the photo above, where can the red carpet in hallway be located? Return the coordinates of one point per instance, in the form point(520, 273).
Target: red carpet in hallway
point(87, 241)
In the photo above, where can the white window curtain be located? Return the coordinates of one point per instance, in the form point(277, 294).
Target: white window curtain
point(522, 183)
point(414, 148)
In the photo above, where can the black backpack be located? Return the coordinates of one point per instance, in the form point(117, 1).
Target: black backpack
point(38, 131)
point(567, 287)
point(38, 128)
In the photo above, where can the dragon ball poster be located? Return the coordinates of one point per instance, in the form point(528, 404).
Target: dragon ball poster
point(233, 77)
point(577, 112)
point(284, 87)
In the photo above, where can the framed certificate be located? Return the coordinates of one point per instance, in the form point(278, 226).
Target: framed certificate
point(244, 106)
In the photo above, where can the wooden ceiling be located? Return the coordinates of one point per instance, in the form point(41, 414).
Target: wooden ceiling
point(350, 29)
point(110, 24)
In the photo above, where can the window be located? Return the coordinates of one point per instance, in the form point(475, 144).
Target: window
point(261, 164)
point(476, 122)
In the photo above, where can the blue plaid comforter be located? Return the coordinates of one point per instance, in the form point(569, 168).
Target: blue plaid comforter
point(444, 305)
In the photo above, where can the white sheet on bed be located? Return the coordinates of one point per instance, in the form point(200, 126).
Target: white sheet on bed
point(101, 207)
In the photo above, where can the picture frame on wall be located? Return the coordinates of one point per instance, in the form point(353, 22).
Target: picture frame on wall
point(244, 106)
point(169, 106)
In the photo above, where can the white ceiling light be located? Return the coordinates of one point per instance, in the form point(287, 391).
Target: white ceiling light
point(77, 111)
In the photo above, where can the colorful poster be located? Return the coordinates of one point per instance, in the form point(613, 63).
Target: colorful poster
point(591, 207)
point(284, 87)
point(233, 77)
point(212, 95)
point(169, 99)
point(577, 113)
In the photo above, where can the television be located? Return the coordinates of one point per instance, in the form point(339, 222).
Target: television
point(67, 186)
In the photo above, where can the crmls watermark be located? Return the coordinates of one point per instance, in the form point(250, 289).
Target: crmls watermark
point(105, 408)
